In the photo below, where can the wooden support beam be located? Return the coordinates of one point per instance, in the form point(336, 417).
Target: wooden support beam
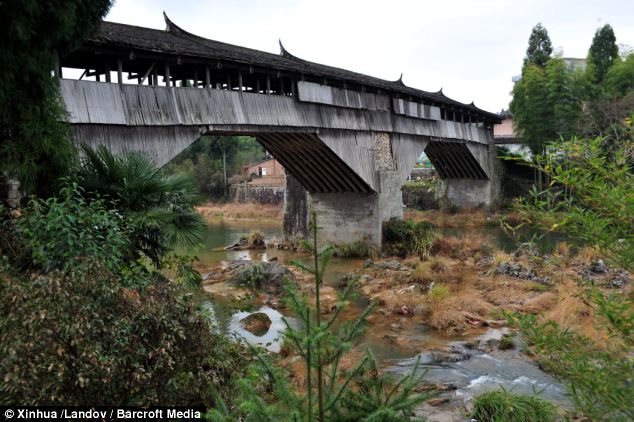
point(281, 86)
point(293, 88)
point(229, 82)
point(195, 77)
point(257, 85)
point(167, 74)
point(268, 85)
point(240, 81)
point(207, 77)
point(149, 71)
point(119, 71)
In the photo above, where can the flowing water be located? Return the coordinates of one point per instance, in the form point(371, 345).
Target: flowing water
point(469, 371)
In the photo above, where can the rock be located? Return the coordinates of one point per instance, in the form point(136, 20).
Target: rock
point(269, 277)
point(328, 299)
point(518, 271)
point(368, 263)
point(391, 265)
point(599, 267)
point(257, 323)
point(437, 401)
point(620, 279)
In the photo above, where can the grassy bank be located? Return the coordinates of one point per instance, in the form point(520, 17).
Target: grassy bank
point(236, 211)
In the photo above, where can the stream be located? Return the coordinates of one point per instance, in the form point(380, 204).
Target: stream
point(467, 370)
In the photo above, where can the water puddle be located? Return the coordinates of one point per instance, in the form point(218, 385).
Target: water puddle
point(227, 321)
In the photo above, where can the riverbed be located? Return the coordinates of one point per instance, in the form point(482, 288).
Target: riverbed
point(451, 360)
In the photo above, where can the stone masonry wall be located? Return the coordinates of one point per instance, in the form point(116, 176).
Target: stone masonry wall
point(382, 148)
point(243, 192)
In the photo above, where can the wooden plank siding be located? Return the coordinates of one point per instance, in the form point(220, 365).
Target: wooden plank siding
point(134, 105)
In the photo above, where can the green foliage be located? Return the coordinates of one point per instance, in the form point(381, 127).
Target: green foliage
point(404, 238)
point(590, 197)
point(599, 376)
point(181, 268)
point(203, 160)
point(539, 47)
point(34, 144)
point(619, 79)
point(506, 342)
point(377, 398)
point(504, 406)
point(59, 232)
point(438, 292)
point(79, 338)
point(356, 249)
point(546, 103)
point(603, 52)
point(256, 239)
point(160, 209)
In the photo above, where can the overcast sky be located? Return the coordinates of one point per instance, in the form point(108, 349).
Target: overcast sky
point(470, 48)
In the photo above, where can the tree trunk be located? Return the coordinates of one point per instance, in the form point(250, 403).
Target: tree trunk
point(224, 168)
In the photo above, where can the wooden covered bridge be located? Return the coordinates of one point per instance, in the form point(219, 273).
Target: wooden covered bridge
point(348, 141)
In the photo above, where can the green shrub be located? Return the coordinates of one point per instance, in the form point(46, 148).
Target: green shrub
point(504, 406)
point(404, 238)
point(256, 240)
point(59, 231)
point(599, 377)
point(438, 292)
point(79, 338)
point(506, 342)
point(160, 210)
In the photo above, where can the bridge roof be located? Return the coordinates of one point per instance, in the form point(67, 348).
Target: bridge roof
point(176, 41)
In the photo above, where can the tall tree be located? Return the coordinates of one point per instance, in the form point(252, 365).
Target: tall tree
point(227, 147)
point(530, 107)
point(603, 52)
point(539, 47)
point(34, 143)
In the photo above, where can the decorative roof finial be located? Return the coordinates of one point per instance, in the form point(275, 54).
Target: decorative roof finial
point(284, 52)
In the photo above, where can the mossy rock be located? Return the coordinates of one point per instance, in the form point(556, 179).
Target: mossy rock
point(269, 277)
point(258, 323)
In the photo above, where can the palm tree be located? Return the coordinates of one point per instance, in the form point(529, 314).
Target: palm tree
point(160, 209)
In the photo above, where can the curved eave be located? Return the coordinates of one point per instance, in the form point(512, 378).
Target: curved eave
point(294, 64)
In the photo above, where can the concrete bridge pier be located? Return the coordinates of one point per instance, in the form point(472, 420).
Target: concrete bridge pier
point(475, 192)
point(381, 161)
point(348, 217)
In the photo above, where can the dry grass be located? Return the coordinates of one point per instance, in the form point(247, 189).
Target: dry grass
point(540, 303)
point(461, 248)
point(466, 217)
point(586, 255)
point(241, 211)
point(430, 270)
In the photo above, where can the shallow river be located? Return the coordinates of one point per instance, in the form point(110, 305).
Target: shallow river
point(470, 371)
